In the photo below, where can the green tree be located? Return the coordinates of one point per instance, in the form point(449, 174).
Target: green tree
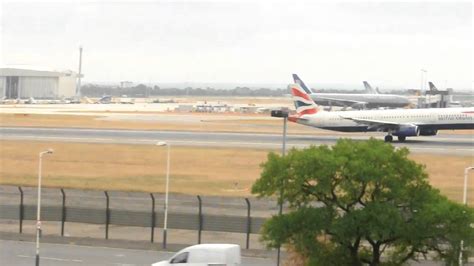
point(358, 200)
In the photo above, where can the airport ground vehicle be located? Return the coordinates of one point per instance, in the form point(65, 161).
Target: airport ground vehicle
point(204, 255)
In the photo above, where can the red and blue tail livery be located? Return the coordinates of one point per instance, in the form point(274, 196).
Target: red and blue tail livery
point(303, 102)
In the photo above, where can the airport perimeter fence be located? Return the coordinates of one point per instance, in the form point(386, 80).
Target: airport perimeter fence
point(184, 212)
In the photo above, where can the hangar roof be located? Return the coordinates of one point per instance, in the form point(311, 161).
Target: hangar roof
point(33, 71)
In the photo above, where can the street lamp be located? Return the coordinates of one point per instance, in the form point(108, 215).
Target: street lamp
point(464, 201)
point(165, 225)
point(38, 209)
point(283, 113)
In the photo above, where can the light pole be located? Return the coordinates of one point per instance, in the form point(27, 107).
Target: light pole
point(78, 89)
point(283, 113)
point(423, 78)
point(165, 225)
point(464, 201)
point(38, 209)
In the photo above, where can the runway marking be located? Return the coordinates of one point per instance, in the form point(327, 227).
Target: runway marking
point(440, 138)
point(118, 140)
point(50, 258)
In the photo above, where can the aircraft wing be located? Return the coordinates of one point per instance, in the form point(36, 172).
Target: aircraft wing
point(345, 102)
point(378, 124)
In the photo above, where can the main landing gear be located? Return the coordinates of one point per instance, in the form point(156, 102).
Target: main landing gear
point(389, 138)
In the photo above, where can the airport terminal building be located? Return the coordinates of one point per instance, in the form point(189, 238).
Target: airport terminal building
point(19, 82)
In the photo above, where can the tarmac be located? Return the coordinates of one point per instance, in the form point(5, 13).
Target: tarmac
point(442, 144)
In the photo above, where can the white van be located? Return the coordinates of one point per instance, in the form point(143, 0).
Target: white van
point(204, 255)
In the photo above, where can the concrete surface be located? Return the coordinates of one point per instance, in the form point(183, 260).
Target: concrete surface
point(442, 144)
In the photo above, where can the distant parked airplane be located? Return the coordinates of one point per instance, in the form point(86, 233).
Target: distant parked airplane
point(357, 100)
point(401, 122)
point(106, 99)
point(450, 102)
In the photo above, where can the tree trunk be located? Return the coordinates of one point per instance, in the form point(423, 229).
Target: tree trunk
point(375, 255)
point(355, 256)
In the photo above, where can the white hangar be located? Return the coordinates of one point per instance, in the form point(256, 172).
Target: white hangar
point(20, 82)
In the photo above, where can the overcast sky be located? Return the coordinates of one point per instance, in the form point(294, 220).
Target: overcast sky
point(245, 42)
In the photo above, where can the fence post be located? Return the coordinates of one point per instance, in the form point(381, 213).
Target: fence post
point(152, 217)
point(63, 215)
point(21, 209)
point(248, 223)
point(107, 215)
point(200, 219)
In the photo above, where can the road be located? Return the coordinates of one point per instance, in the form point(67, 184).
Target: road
point(442, 144)
point(23, 253)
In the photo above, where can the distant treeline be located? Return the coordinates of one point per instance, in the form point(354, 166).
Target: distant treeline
point(141, 90)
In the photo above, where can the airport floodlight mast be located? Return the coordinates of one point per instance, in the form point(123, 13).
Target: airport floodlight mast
point(38, 208)
point(464, 201)
point(78, 89)
point(424, 78)
point(165, 223)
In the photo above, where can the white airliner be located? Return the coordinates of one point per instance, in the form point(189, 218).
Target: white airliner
point(368, 100)
point(400, 122)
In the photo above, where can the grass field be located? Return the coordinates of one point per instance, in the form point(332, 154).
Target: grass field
point(194, 170)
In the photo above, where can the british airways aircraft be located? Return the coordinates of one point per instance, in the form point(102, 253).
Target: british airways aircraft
point(368, 100)
point(402, 123)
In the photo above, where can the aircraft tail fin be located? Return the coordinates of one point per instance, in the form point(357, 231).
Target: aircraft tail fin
point(303, 102)
point(368, 88)
point(301, 83)
point(432, 86)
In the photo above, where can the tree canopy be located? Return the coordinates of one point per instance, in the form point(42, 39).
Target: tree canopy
point(360, 202)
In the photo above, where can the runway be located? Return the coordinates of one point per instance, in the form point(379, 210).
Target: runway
point(442, 144)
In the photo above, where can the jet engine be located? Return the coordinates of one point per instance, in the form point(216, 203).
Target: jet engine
point(428, 132)
point(407, 131)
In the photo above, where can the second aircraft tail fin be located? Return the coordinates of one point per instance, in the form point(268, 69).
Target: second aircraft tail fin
point(432, 86)
point(368, 88)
